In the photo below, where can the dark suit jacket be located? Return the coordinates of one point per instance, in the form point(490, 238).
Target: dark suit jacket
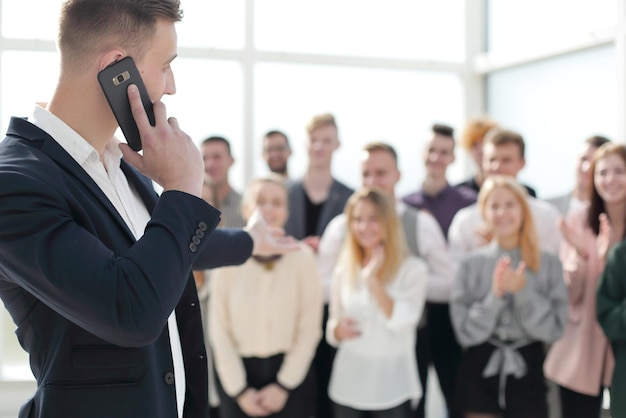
point(90, 302)
point(296, 222)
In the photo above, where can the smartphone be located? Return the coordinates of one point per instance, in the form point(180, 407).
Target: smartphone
point(114, 81)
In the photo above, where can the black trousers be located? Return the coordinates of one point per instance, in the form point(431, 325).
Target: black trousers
point(437, 345)
point(400, 411)
point(259, 373)
point(322, 365)
point(578, 405)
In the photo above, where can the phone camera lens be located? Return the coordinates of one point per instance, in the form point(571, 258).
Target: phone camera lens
point(120, 78)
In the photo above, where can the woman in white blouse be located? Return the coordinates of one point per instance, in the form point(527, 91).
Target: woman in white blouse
point(265, 322)
point(376, 301)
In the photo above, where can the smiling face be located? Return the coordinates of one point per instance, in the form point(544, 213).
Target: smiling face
point(610, 179)
point(321, 144)
point(366, 226)
point(503, 214)
point(503, 159)
point(155, 63)
point(379, 170)
point(276, 153)
point(438, 155)
point(270, 199)
point(217, 162)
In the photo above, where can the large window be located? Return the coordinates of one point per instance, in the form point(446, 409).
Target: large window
point(387, 70)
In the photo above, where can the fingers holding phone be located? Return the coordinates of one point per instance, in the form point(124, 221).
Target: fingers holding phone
point(170, 156)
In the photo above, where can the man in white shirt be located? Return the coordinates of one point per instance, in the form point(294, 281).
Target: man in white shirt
point(379, 169)
point(503, 153)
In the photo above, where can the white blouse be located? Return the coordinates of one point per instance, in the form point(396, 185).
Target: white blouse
point(378, 369)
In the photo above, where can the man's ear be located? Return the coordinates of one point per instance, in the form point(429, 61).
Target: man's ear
point(110, 57)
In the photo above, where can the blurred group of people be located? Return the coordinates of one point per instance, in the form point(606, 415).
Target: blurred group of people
point(502, 294)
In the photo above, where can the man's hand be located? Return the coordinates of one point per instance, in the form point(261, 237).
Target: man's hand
point(268, 240)
point(250, 403)
point(170, 157)
point(273, 397)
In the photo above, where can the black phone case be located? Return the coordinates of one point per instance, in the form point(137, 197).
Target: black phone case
point(114, 81)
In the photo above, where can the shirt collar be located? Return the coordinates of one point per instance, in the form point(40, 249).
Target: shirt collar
point(74, 144)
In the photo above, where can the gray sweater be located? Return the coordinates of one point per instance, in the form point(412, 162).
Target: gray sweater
point(538, 312)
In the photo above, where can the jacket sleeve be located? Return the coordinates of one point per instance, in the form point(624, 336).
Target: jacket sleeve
point(49, 247)
point(225, 247)
point(434, 251)
point(542, 310)
point(611, 302)
point(474, 319)
point(409, 296)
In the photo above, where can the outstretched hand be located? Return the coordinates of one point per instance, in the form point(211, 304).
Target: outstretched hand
point(170, 157)
point(268, 240)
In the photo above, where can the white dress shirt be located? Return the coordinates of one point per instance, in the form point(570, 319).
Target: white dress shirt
point(431, 245)
point(378, 369)
point(463, 237)
point(113, 183)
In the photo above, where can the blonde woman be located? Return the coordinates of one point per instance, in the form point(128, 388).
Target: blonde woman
point(376, 301)
point(265, 322)
point(508, 300)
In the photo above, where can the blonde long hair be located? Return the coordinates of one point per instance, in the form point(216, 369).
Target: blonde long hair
point(395, 247)
point(528, 237)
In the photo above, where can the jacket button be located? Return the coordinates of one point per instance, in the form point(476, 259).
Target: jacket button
point(193, 247)
point(202, 226)
point(199, 233)
point(169, 378)
point(195, 240)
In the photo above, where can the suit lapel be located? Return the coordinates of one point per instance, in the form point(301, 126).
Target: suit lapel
point(42, 140)
point(142, 184)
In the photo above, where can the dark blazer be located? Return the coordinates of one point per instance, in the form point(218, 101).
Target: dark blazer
point(296, 222)
point(90, 302)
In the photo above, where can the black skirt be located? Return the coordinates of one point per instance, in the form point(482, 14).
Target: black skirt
point(525, 397)
point(260, 372)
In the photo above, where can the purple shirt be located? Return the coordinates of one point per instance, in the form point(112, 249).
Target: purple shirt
point(444, 205)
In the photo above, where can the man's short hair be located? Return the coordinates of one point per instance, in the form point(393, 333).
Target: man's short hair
point(277, 132)
point(497, 136)
point(443, 130)
point(325, 119)
point(86, 26)
point(381, 146)
point(220, 139)
point(597, 141)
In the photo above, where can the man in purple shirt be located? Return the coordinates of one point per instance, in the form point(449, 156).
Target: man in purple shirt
point(436, 342)
point(437, 196)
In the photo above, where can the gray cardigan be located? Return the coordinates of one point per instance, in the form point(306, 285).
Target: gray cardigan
point(538, 312)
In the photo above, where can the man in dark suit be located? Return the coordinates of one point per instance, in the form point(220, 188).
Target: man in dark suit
point(95, 268)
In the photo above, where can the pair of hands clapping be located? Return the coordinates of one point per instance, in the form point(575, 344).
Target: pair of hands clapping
point(607, 237)
point(506, 278)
